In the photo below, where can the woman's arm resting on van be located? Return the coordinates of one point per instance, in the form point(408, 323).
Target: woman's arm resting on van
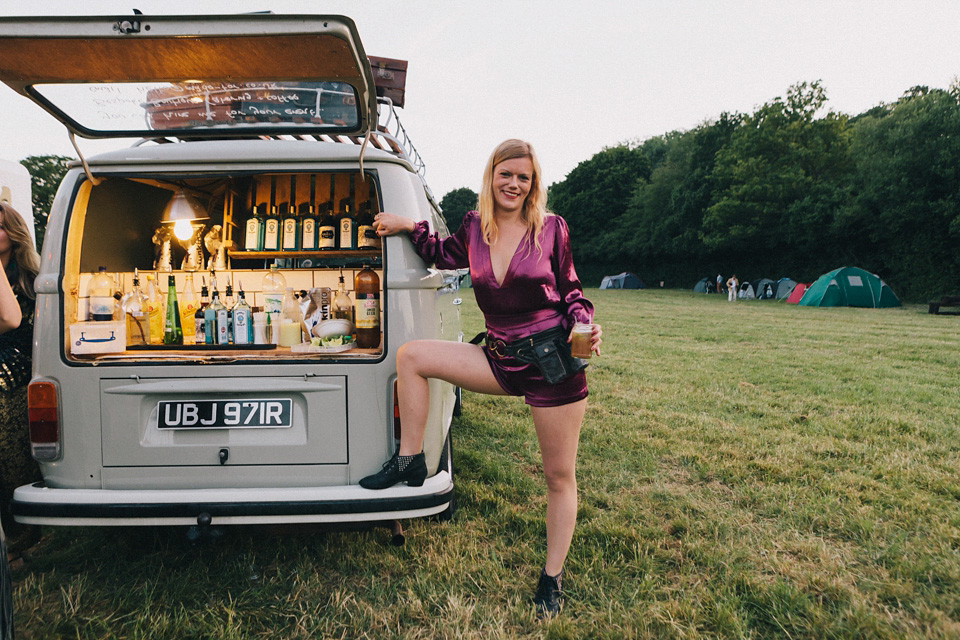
point(390, 224)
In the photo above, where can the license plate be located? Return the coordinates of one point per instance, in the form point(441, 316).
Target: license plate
point(274, 413)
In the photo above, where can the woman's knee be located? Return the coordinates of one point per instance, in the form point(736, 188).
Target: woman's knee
point(560, 479)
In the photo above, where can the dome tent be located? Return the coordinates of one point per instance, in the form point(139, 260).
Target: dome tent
point(849, 287)
point(625, 280)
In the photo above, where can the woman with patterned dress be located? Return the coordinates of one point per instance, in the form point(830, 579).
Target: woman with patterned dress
point(522, 273)
point(20, 264)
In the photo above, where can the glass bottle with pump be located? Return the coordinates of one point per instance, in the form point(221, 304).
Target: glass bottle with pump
point(290, 333)
point(342, 307)
point(134, 305)
point(242, 320)
point(101, 300)
point(154, 310)
point(172, 328)
point(367, 308)
point(228, 303)
point(274, 285)
point(189, 304)
point(199, 318)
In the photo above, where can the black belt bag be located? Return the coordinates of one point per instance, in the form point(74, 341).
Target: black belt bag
point(548, 350)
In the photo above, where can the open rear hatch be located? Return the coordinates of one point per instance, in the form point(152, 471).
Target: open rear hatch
point(193, 76)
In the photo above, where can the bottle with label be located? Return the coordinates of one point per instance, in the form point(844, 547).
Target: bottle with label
point(242, 320)
point(327, 229)
point(155, 310)
point(172, 328)
point(367, 237)
point(215, 321)
point(308, 219)
point(274, 285)
point(134, 306)
point(290, 333)
point(228, 303)
point(342, 307)
point(101, 300)
point(199, 318)
point(291, 220)
point(254, 227)
point(189, 303)
point(271, 234)
point(347, 237)
point(367, 308)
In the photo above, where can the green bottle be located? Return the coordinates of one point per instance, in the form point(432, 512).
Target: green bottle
point(172, 329)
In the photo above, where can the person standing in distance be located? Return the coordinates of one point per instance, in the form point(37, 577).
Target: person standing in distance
point(522, 271)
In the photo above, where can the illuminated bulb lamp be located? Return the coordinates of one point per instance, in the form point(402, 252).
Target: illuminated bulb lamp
point(182, 211)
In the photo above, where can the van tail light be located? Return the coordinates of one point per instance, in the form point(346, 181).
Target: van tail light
point(396, 414)
point(43, 410)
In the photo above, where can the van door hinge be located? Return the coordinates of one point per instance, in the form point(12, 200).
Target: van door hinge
point(128, 26)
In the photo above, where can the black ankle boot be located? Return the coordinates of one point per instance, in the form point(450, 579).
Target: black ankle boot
point(414, 473)
point(549, 596)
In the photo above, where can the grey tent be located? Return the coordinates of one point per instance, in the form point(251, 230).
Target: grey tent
point(784, 287)
point(746, 292)
point(705, 285)
point(624, 280)
point(764, 289)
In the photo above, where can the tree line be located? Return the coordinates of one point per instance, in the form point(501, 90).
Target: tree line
point(791, 190)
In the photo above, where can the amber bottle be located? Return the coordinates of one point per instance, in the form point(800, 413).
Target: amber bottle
point(367, 308)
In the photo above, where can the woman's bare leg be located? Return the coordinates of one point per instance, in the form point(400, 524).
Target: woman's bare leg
point(558, 430)
point(458, 363)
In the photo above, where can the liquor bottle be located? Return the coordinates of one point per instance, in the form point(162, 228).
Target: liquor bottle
point(291, 220)
point(342, 307)
point(253, 230)
point(327, 229)
point(347, 238)
point(215, 321)
point(134, 305)
point(172, 329)
point(189, 304)
point(271, 233)
point(242, 320)
point(367, 308)
point(274, 285)
point(228, 303)
point(290, 333)
point(154, 310)
point(199, 318)
point(367, 237)
point(101, 300)
point(308, 219)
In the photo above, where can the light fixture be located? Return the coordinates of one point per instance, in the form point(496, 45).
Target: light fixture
point(182, 211)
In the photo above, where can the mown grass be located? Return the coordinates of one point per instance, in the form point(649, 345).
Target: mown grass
point(747, 470)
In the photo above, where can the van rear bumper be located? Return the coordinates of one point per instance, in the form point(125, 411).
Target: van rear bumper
point(38, 504)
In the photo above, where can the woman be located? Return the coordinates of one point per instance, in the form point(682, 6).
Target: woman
point(522, 272)
point(20, 264)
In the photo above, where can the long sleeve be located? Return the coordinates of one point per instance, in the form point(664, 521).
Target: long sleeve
point(451, 252)
point(578, 308)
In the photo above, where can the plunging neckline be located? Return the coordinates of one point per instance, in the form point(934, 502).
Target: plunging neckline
point(509, 269)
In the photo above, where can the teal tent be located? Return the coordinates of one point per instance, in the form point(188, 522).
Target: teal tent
point(849, 287)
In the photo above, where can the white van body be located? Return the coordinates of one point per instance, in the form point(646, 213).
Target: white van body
point(101, 425)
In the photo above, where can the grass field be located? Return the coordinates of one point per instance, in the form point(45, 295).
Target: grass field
point(747, 470)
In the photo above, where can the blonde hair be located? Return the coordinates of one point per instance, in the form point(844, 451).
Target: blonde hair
point(534, 207)
point(22, 270)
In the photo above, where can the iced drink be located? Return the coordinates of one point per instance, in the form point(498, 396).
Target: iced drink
point(580, 345)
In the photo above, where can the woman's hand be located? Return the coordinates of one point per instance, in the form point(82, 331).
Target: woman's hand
point(390, 224)
point(595, 338)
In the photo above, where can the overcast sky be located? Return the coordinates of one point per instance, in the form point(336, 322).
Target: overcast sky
point(575, 77)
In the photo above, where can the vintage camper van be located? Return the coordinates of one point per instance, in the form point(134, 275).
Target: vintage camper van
point(263, 139)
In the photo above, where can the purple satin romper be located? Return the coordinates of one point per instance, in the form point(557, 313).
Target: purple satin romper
point(538, 292)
